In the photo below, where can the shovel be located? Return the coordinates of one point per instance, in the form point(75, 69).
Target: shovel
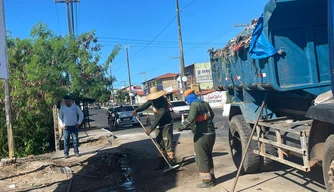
point(171, 167)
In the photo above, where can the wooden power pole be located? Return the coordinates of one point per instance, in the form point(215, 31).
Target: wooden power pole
point(70, 14)
point(4, 63)
point(181, 48)
point(129, 74)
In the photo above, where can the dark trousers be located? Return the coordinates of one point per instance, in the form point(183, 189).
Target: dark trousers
point(203, 155)
point(71, 130)
point(164, 137)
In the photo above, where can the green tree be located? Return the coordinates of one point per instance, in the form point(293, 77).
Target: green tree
point(121, 97)
point(43, 68)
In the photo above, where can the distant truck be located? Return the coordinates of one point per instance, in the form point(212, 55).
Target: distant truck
point(296, 84)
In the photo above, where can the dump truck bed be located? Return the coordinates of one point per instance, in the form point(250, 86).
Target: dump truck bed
point(299, 30)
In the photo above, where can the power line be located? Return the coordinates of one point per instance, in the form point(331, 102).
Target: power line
point(187, 5)
point(158, 34)
point(162, 30)
point(166, 46)
point(217, 36)
point(155, 37)
point(141, 41)
point(120, 67)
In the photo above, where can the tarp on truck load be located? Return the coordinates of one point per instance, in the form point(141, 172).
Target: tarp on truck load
point(260, 48)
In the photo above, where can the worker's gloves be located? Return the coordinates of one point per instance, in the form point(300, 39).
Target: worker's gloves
point(134, 113)
point(148, 132)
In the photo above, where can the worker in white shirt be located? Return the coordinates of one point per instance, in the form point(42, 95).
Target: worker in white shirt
point(70, 124)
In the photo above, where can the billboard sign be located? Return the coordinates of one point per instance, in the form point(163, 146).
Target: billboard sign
point(203, 72)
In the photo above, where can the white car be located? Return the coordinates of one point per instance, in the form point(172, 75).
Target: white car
point(125, 116)
point(179, 108)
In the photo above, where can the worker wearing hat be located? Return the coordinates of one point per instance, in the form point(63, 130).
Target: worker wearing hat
point(162, 123)
point(201, 115)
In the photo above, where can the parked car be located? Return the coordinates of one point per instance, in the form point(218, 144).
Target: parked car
point(139, 114)
point(90, 106)
point(97, 106)
point(125, 115)
point(179, 108)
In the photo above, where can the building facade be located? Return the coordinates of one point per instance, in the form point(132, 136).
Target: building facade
point(167, 82)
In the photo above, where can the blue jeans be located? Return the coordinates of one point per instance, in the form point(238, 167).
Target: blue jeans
point(71, 130)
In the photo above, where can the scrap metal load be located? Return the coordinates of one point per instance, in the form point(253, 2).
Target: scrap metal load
point(241, 41)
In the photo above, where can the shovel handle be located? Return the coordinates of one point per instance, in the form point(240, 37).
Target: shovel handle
point(154, 142)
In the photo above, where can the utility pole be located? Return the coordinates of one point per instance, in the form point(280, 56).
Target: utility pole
point(72, 16)
point(70, 31)
point(181, 48)
point(70, 13)
point(112, 82)
point(4, 62)
point(10, 135)
point(127, 60)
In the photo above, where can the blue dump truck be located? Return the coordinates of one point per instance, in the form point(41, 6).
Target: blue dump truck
point(286, 60)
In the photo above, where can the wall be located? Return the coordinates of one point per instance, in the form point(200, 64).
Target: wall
point(216, 99)
point(190, 74)
point(169, 84)
point(204, 75)
point(140, 99)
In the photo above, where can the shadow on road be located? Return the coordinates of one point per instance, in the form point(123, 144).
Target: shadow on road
point(311, 178)
point(314, 177)
point(191, 159)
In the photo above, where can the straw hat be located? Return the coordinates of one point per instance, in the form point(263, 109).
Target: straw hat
point(155, 93)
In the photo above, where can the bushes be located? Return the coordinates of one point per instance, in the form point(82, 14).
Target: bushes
point(43, 68)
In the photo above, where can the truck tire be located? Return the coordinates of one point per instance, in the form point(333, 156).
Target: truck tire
point(239, 133)
point(267, 164)
point(328, 163)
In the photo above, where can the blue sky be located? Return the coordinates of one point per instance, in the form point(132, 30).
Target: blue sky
point(205, 24)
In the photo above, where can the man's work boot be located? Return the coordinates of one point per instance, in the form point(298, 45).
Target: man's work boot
point(171, 158)
point(213, 179)
point(212, 173)
point(206, 185)
point(160, 164)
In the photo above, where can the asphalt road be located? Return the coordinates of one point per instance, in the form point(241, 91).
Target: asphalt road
point(100, 119)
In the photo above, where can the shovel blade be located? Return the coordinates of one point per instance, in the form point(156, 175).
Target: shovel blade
point(171, 168)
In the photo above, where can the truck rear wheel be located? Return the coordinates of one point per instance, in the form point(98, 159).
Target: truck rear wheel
point(239, 133)
point(267, 164)
point(328, 163)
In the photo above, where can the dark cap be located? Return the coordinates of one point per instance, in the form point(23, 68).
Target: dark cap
point(66, 97)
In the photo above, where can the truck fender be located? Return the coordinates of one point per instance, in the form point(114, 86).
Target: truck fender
point(319, 132)
point(233, 111)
